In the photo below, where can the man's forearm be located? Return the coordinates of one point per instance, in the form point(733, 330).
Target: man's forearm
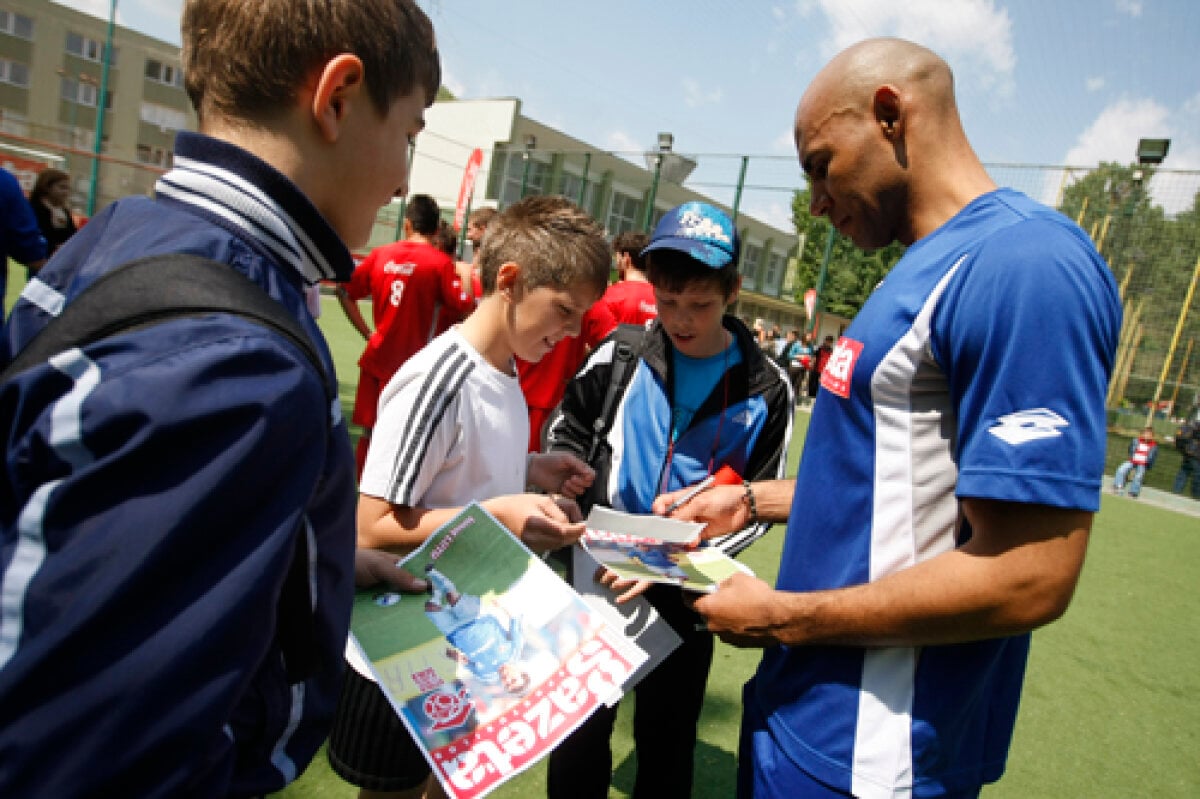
point(1010, 580)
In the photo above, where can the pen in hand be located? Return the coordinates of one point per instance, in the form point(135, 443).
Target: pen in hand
point(725, 476)
point(703, 484)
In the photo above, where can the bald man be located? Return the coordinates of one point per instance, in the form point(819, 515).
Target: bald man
point(959, 440)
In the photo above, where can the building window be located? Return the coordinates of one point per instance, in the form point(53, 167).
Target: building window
point(570, 190)
point(167, 74)
point(162, 117)
point(514, 174)
point(155, 156)
point(751, 256)
point(88, 49)
point(13, 123)
point(79, 92)
point(624, 213)
point(774, 270)
point(17, 25)
point(14, 72)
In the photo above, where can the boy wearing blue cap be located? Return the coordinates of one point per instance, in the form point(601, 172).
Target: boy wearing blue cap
point(701, 396)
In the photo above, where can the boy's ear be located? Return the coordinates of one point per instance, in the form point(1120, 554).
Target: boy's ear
point(339, 85)
point(508, 276)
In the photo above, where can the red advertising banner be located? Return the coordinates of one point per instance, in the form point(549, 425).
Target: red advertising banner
point(467, 187)
point(810, 302)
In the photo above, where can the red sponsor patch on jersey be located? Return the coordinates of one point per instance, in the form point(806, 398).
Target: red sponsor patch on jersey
point(840, 369)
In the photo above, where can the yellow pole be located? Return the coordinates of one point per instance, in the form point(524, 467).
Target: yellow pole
point(1082, 211)
point(1187, 301)
point(1116, 388)
point(1131, 356)
point(1187, 354)
point(1062, 185)
point(1125, 280)
point(1103, 233)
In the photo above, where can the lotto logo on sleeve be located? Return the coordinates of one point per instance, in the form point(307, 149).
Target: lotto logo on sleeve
point(840, 368)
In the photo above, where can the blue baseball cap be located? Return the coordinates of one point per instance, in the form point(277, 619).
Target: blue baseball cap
point(701, 230)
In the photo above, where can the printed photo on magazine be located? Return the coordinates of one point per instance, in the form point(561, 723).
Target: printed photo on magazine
point(496, 663)
point(653, 548)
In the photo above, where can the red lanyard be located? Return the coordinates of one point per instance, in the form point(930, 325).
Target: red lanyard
point(665, 475)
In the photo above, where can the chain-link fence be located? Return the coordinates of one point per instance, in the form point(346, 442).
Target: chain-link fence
point(1146, 223)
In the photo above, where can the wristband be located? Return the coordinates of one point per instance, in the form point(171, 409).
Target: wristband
point(750, 501)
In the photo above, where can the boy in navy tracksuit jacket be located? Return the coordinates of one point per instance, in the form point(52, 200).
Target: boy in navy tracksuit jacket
point(702, 396)
point(159, 485)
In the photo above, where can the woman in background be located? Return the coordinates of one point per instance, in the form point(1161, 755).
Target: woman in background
point(49, 197)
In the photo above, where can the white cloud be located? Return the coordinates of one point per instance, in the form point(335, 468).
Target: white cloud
point(1131, 7)
point(1114, 134)
point(1094, 84)
point(973, 35)
point(785, 142)
point(696, 95)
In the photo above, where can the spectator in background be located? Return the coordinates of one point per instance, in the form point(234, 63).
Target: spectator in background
point(631, 298)
point(477, 225)
point(447, 239)
point(820, 358)
point(20, 238)
point(1187, 441)
point(1143, 451)
point(49, 198)
point(799, 365)
point(411, 284)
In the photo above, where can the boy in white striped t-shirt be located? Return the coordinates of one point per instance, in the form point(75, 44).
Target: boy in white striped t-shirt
point(452, 429)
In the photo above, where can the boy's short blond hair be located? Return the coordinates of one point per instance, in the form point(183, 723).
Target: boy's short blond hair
point(245, 61)
point(553, 240)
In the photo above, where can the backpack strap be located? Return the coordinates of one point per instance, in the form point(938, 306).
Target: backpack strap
point(627, 348)
point(158, 288)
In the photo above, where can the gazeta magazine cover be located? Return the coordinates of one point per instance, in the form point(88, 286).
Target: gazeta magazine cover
point(496, 663)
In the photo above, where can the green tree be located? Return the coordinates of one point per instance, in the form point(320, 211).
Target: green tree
point(1152, 257)
point(852, 274)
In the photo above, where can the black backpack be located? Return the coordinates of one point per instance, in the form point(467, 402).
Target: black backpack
point(158, 288)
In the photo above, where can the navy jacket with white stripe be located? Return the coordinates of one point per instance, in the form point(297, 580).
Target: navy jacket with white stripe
point(156, 488)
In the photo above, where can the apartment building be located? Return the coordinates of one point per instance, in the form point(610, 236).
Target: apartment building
point(52, 69)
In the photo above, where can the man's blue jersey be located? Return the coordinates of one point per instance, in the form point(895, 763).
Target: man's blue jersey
point(978, 368)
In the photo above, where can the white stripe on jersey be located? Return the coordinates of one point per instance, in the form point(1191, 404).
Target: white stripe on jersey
point(439, 387)
point(911, 402)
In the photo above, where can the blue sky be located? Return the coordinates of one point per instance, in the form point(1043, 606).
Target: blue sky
point(1057, 82)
